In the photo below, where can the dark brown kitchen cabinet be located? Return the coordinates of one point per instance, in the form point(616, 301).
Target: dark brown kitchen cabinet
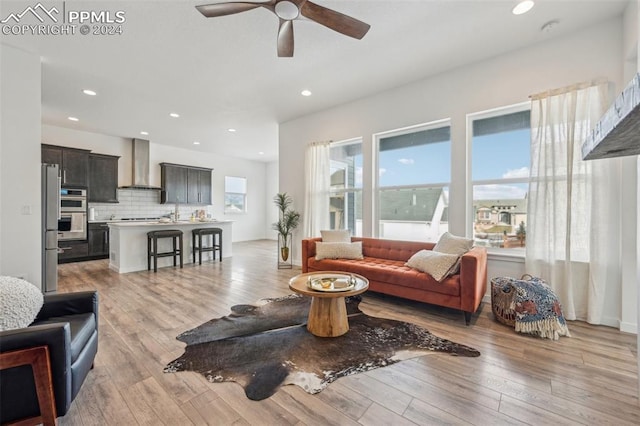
point(98, 238)
point(185, 184)
point(198, 186)
point(173, 179)
point(71, 251)
point(73, 162)
point(103, 178)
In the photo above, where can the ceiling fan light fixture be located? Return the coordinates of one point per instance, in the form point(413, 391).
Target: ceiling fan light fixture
point(287, 10)
point(523, 7)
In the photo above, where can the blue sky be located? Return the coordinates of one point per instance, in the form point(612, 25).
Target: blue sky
point(495, 156)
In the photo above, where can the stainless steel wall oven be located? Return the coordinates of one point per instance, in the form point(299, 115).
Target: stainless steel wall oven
point(72, 224)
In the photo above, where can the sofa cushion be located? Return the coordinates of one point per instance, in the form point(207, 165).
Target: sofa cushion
point(339, 250)
point(390, 272)
point(452, 244)
point(82, 327)
point(336, 236)
point(20, 303)
point(438, 265)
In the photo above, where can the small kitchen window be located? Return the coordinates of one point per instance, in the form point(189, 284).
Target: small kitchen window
point(235, 194)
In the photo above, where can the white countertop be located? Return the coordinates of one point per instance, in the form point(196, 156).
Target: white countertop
point(134, 223)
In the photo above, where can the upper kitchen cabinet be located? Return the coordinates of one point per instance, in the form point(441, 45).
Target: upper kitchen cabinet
point(103, 178)
point(198, 186)
point(185, 184)
point(73, 162)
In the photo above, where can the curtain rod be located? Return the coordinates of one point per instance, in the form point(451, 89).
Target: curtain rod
point(566, 89)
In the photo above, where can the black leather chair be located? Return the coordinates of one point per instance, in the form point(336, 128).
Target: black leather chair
point(67, 325)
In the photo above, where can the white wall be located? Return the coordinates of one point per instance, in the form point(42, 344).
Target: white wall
point(271, 190)
point(248, 226)
point(20, 218)
point(629, 201)
point(505, 80)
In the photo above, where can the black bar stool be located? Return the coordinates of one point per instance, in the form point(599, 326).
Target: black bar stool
point(152, 247)
point(216, 242)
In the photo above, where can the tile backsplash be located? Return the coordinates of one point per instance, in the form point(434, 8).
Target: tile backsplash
point(134, 203)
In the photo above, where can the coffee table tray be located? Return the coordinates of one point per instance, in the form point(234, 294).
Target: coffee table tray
point(331, 282)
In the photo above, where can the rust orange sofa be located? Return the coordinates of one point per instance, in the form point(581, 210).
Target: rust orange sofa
point(383, 266)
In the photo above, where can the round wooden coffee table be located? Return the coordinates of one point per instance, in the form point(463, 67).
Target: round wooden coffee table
point(328, 311)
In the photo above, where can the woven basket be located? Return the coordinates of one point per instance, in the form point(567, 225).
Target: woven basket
point(502, 293)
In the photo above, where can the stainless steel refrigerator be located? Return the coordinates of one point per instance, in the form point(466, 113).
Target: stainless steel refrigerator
point(50, 217)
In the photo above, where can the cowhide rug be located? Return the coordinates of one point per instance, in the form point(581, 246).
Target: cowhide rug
point(267, 345)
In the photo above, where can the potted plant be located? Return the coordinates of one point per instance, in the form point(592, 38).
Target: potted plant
point(288, 221)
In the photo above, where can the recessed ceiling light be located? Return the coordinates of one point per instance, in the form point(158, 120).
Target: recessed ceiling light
point(89, 92)
point(196, 143)
point(174, 115)
point(306, 92)
point(231, 130)
point(144, 133)
point(73, 118)
point(523, 7)
point(261, 153)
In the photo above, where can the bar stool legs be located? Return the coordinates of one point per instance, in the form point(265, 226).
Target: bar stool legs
point(216, 242)
point(152, 247)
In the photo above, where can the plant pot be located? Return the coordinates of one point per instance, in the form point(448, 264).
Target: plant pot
point(284, 253)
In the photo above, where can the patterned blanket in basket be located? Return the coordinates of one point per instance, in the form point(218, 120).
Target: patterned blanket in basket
point(537, 308)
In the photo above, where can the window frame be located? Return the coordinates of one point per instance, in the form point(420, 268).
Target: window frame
point(469, 215)
point(244, 196)
point(345, 190)
point(376, 188)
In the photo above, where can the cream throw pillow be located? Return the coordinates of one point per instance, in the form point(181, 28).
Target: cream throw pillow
point(339, 250)
point(19, 304)
point(438, 265)
point(451, 244)
point(336, 236)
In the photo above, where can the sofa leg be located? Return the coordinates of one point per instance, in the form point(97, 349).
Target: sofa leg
point(467, 317)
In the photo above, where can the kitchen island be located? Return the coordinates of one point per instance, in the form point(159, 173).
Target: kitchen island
point(128, 242)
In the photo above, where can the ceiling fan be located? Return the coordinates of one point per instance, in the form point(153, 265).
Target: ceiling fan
point(288, 11)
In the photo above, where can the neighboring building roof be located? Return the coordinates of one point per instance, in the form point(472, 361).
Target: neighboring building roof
point(399, 205)
point(516, 205)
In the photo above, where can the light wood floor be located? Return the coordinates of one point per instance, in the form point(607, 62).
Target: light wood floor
point(590, 378)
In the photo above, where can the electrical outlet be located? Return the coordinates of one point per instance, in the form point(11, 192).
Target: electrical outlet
point(26, 210)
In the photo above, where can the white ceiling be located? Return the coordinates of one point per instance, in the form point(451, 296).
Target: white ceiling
point(221, 73)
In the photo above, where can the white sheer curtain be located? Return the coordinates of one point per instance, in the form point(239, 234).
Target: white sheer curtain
point(573, 220)
point(317, 184)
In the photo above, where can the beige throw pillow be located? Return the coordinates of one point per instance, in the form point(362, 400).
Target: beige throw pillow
point(438, 265)
point(336, 236)
point(339, 250)
point(451, 244)
point(20, 303)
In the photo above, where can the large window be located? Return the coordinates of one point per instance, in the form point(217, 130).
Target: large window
point(235, 194)
point(500, 159)
point(414, 171)
point(345, 208)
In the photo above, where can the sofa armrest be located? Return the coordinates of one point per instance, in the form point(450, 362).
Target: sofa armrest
point(308, 250)
point(13, 381)
point(57, 305)
point(473, 278)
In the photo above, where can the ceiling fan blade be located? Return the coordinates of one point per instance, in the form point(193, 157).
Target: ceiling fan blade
point(230, 8)
point(335, 20)
point(285, 39)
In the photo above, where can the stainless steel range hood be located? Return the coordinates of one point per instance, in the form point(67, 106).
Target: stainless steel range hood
point(140, 166)
point(617, 134)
